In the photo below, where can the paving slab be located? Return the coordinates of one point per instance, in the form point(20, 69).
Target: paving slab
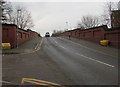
point(26, 47)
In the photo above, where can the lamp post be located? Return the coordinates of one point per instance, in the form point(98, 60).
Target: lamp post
point(67, 25)
point(17, 26)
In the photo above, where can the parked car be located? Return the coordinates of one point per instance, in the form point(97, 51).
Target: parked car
point(47, 34)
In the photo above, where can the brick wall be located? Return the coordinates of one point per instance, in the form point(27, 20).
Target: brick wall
point(113, 36)
point(9, 34)
point(96, 34)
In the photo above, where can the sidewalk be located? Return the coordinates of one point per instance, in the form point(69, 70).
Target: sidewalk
point(26, 47)
point(95, 46)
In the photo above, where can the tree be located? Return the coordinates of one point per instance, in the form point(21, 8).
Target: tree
point(109, 7)
point(54, 31)
point(57, 31)
point(89, 21)
point(23, 18)
point(6, 10)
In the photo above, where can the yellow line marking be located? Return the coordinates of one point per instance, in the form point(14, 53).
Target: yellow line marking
point(43, 82)
point(91, 49)
point(39, 83)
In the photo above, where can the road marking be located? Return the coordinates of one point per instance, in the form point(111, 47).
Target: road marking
point(4, 82)
point(86, 56)
point(38, 48)
point(90, 48)
point(39, 82)
point(37, 45)
point(95, 60)
point(7, 82)
point(59, 45)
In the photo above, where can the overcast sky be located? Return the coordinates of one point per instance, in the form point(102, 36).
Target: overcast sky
point(49, 16)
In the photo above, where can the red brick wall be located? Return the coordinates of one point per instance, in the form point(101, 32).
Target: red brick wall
point(96, 34)
point(22, 36)
point(93, 34)
point(114, 37)
point(9, 34)
point(75, 33)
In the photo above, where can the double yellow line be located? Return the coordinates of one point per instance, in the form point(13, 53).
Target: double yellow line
point(40, 82)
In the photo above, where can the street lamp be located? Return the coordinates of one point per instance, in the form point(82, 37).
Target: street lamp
point(17, 26)
point(67, 25)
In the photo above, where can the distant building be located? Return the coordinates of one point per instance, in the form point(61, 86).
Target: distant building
point(115, 18)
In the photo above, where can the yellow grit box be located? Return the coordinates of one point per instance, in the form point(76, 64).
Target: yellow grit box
point(104, 42)
point(6, 46)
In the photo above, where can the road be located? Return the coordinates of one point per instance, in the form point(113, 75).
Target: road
point(64, 62)
point(82, 65)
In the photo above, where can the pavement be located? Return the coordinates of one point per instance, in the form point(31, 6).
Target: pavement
point(26, 47)
point(95, 46)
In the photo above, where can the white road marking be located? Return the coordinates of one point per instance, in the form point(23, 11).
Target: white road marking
point(59, 45)
point(38, 48)
point(37, 45)
point(86, 56)
point(95, 60)
point(4, 82)
point(89, 48)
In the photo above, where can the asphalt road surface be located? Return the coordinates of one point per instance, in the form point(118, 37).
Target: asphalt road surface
point(62, 61)
point(82, 65)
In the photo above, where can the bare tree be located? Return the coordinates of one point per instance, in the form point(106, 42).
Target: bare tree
point(109, 7)
point(6, 10)
point(57, 31)
point(54, 31)
point(89, 21)
point(23, 18)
